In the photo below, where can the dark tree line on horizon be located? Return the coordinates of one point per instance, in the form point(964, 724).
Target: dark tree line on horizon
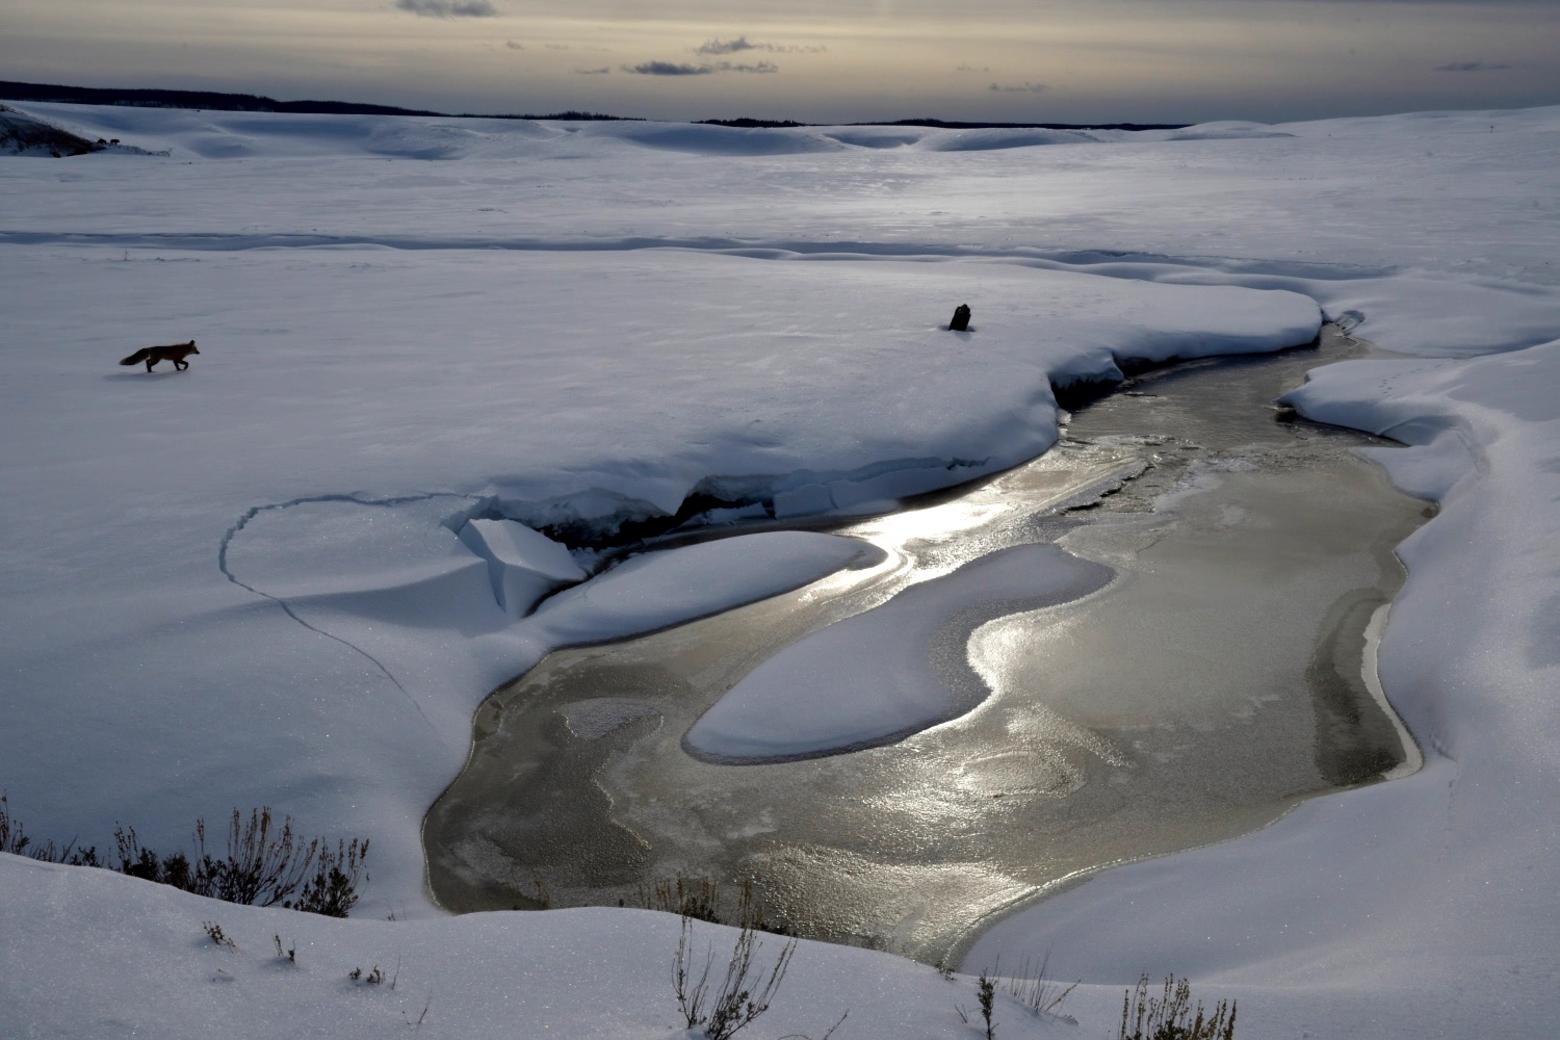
point(219, 101)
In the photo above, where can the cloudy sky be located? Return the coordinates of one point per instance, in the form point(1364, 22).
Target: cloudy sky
point(815, 60)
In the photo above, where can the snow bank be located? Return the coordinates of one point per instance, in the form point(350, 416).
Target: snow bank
point(89, 954)
point(658, 590)
point(893, 670)
point(1365, 906)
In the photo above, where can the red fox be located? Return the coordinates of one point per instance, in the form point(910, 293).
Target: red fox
point(175, 352)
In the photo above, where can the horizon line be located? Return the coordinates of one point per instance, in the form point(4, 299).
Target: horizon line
point(19, 90)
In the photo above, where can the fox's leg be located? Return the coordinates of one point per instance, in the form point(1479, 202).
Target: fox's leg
point(181, 365)
point(149, 363)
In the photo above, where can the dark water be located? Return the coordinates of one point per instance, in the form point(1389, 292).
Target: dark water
point(1218, 678)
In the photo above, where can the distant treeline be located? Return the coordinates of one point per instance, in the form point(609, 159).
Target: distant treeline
point(189, 99)
point(222, 102)
point(949, 124)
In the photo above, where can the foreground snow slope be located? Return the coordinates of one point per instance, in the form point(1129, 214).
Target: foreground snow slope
point(135, 960)
point(391, 347)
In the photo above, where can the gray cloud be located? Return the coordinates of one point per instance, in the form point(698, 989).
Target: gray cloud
point(672, 68)
point(603, 71)
point(667, 68)
point(742, 43)
point(760, 67)
point(514, 45)
point(448, 8)
point(1017, 88)
point(973, 68)
point(1471, 66)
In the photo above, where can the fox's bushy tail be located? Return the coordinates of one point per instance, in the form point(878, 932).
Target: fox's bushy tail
point(138, 357)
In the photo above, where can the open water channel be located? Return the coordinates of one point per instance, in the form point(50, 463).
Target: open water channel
point(1223, 672)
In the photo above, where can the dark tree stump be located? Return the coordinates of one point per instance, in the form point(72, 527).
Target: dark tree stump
point(961, 319)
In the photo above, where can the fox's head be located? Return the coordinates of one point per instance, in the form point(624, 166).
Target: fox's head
point(193, 348)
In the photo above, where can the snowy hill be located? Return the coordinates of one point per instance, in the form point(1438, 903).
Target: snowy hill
point(227, 135)
point(22, 134)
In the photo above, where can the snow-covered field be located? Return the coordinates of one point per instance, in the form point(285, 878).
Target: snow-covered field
point(289, 575)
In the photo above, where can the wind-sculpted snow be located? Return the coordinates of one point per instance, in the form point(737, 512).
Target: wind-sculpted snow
point(891, 671)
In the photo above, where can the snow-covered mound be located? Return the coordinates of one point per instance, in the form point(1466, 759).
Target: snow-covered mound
point(663, 589)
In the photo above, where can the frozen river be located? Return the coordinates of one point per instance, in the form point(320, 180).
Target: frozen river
point(1215, 669)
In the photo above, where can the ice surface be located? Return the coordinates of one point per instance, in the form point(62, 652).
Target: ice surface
point(243, 583)
point(594, 719)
